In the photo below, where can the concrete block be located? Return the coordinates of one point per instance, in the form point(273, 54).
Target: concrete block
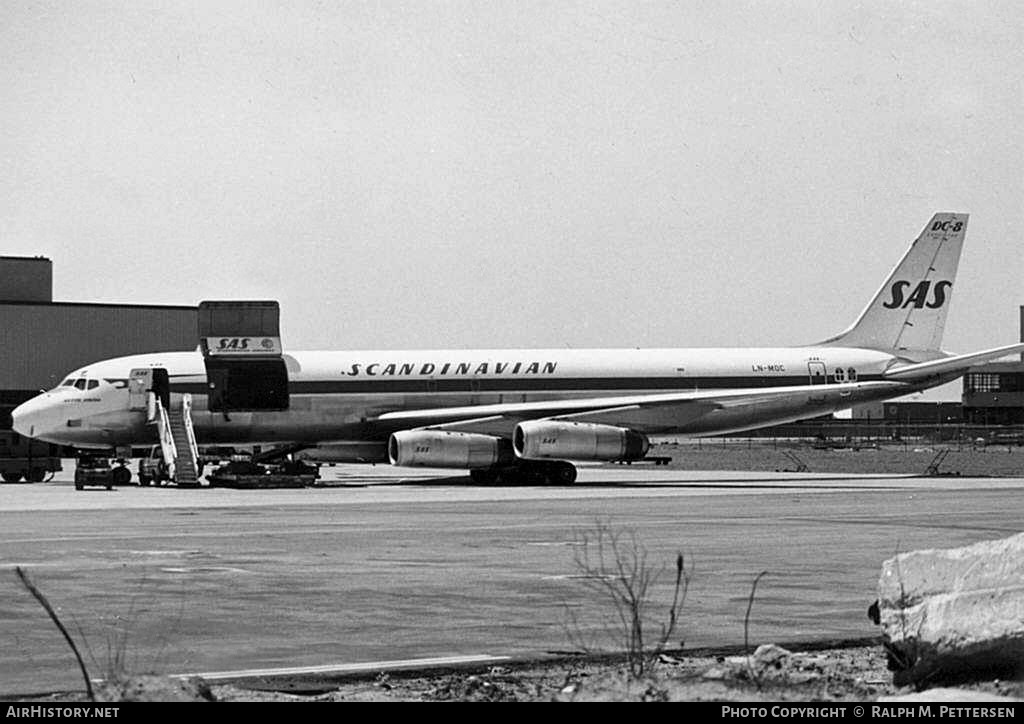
point(949, 696)
point(954, 614)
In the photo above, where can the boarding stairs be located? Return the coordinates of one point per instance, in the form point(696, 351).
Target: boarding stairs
point(933, 467)
point(178, 440)
point(801, 466)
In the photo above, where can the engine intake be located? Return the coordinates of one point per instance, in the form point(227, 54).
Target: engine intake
point(550, 439)
point(443, 449)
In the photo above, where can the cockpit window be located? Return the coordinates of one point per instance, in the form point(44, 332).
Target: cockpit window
point(93, 384)
point(80, 383)
point(69, 382)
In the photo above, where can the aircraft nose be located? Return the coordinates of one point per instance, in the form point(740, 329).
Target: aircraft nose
point(33, 418)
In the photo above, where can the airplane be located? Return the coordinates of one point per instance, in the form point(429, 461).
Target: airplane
point(521, 414)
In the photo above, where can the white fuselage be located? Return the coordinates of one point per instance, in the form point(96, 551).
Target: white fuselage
point(338, 396)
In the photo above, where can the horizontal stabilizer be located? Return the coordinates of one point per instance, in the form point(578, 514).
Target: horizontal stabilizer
point(958, 363)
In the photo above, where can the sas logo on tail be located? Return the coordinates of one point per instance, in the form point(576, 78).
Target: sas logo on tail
point(919, 297)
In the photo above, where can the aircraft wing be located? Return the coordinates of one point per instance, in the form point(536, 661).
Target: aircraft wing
point(650, 413)
point(946, 365)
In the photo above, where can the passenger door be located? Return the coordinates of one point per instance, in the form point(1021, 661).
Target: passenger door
point(817, 372)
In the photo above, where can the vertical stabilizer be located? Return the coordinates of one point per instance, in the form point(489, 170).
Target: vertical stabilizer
point(909, 311)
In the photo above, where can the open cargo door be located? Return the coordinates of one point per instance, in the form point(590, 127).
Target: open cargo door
point(241, 344)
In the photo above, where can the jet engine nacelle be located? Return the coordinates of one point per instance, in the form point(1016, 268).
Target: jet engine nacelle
point(543, 439)
point(443, 449)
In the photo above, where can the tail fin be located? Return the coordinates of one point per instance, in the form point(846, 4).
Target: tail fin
point(909, 311)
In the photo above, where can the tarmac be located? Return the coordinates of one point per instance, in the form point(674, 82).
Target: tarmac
point(381, 567)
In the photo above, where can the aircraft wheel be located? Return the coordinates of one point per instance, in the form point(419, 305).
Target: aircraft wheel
point(563, 474)
point(11, 477)
point(36, 475)
point(121, 476)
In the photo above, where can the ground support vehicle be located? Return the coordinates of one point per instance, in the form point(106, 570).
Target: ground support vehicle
point(22, 458)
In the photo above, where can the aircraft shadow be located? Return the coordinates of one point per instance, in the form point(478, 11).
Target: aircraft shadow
point(766, 483)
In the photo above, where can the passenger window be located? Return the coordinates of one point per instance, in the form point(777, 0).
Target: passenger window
point(840, 375)
point(80, 383)
point(93, 384)
point(853, 374)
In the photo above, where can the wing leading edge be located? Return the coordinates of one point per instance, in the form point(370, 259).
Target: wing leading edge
point(700, 412)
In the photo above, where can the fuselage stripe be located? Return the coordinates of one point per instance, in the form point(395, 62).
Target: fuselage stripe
point(573, 384)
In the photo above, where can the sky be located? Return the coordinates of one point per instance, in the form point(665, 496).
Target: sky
point(516, 174)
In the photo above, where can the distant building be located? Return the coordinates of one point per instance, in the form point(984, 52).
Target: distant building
point(868, 412)
point(994, 394)
point(910, 413)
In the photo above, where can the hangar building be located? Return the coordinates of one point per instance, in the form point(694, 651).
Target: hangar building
point(41, 340)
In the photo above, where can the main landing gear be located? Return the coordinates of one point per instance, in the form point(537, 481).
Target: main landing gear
point(527, 472)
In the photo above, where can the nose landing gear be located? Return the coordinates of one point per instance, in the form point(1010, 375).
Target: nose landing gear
point(96, 471)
